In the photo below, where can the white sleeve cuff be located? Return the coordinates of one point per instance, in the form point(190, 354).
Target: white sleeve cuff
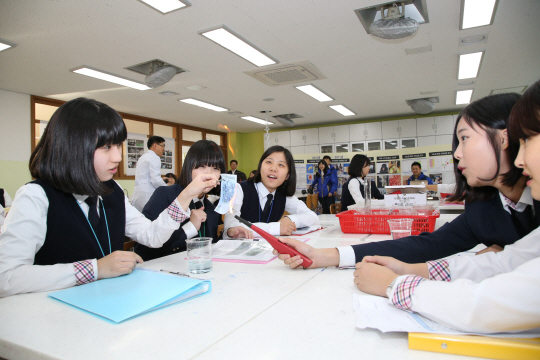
point(190, 230)
point(347, 258)
point(274, 228)
point(94, 266)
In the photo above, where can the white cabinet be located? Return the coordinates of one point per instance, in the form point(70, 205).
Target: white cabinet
point(396, 129)
point(334, 134)
point(434, 140)
point(425, 126)
point(282, 138)
point(367, 131)
point(304, 137)
point(407, 128)
point(444, 125)
point(305, 149)
point(373, 131)
point(426, 141)
point(390, 129)
point(443, 139)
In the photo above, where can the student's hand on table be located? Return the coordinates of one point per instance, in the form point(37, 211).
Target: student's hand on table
point(398, 267)
point(373, 278)
point(197, 217)
point(320, 257)
point(492, 248)
point(286, 226)
point(239, 232)
point(117, 263)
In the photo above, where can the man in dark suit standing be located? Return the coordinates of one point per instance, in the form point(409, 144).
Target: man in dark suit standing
point(240, 176)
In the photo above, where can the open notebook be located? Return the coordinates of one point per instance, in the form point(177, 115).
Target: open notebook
point(125, 297)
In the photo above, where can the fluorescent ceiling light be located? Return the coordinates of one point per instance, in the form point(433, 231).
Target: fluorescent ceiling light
point(5, 45)
point(165, 6)
point(463, 97)
point(314, 93)
point(98, 74)
point(342, 110)
point(203, 104)
point(257, 120)
point(469, 64)
point(477, 13)
point(234, 43)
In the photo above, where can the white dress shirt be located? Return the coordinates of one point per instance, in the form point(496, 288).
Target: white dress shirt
point(23, 235)
point(354, 190)
point(147, 179)
point(299, 212)
point(189, 229)
point(492, 292)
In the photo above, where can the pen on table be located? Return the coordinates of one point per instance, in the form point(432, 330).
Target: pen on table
point(175, 273)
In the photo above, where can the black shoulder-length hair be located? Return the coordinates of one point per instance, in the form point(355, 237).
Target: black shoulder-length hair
point(203, 152)
point(491, 113)
point(288, 188)
point(64, 156)
point(325, 170)
point(525, 116)
point(358, 163)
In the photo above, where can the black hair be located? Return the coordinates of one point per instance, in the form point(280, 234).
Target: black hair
point(358, 163)
point(64, 156)
point(203, 152)
point(327, 157)
point(491, 113)
point(154, 140)
point(254, 172)
point(417, 164)
point(525, 116)
point(288, 188)
point(233, 161)
point(171, 175)
point(325, 170)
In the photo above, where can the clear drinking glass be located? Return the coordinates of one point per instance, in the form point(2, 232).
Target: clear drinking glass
point(199, 255)
point(400, 228)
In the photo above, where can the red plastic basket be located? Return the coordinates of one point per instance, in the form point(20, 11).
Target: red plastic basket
point(377, 224)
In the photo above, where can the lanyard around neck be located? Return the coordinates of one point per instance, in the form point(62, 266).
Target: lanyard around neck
point(106, 224)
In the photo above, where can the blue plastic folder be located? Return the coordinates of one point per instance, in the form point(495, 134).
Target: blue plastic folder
point(125, 297)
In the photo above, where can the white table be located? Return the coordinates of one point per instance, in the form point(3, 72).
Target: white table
point(254, 311)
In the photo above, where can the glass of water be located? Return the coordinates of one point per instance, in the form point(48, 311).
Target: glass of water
point(199, 255)
point(400, 228)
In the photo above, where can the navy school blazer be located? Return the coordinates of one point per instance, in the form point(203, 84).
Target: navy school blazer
point(483, 222)
point(160, 200)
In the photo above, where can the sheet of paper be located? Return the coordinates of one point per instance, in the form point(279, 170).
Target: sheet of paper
point(307, 229)
point(243, 250)
point(228, 188)
point(375, 312)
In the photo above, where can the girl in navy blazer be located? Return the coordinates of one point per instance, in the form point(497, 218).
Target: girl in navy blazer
point(325, 185)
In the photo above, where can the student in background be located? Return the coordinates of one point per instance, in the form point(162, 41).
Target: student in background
point(203, 157)
point(68, 226)
point(334, 170)
point(263, 199)
point(490, 293)
point(240, 176)
point(148, 172)
point(325, 185)
point(252, 173)
point(5, 201)
point(170, 179)
point(417, 174)
point(353, 190)
point(499, 208)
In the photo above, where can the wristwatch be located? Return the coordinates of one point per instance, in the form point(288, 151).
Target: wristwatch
point(390, 288)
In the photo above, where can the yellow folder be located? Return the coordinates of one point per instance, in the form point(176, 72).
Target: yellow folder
point(480, 346)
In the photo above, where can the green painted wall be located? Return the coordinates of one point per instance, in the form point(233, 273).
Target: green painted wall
point(13, 175)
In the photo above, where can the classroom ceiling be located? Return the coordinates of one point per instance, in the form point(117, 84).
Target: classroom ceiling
point(371, 76)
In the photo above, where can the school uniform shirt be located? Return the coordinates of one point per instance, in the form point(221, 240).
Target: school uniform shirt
point(420, 177)
point(147, 179)
point(488, 293)
point(353, 191)
point(5, 200)
point(24, 234)
point(299, 212)
point(483, 222)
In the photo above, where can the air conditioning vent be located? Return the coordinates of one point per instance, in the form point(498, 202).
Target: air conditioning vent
point(286, 74)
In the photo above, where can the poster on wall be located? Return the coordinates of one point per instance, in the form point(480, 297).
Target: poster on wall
point(310, 171)
point(301, 181)
point(135, 147)
point(342, 167)
point(168, 163)
point(441, 161)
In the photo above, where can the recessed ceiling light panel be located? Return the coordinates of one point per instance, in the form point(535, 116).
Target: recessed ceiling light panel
point(166, 6)
point(342, 110)
point(463, 97)
point(203, 104)
point(235, 43)
point(102, 75)
point(314, 93)
point(469, 65)
point(257, 120)
point(476, 13)
point(4, 45)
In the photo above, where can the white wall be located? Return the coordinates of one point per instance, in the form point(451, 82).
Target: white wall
point(15, 125)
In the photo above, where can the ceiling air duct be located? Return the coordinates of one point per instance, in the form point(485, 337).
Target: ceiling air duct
point(286, 119)
point(424, 105)
point(393, 25)
point(157, 72)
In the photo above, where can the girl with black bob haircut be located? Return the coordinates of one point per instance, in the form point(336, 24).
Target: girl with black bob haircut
point(499, 208)
point(68, 226)
point(353, 192)
point(264, 198)
point(325, 184)
point(203, 157)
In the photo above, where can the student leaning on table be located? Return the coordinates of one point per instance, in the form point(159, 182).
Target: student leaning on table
point(499, 208)
point(263, 199)
point(493, 292)
point(55, 236)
